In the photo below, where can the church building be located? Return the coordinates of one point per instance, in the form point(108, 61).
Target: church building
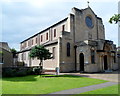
point(77, 43)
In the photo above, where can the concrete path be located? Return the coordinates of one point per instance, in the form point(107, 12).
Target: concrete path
point(85, 89)
point(112, 77)
point(109, 76)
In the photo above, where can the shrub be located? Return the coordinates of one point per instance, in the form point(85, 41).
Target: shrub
point(36, 70)
point(16, 71)
point(29, 71)
point(21, 73)
point(8, 72)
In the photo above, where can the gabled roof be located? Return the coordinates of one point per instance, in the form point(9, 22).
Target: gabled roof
point(4, 45)
point(46, 29)
point(81, 10)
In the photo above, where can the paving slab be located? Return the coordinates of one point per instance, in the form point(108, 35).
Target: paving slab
point(109, 76)
point(85, 89)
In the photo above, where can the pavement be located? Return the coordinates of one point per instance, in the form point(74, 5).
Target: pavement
point(112, 77)
point(109, 76)
point(85, 89)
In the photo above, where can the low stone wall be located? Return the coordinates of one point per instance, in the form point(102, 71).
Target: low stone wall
point(115, 66)
point(67, 67)
point(91, 68)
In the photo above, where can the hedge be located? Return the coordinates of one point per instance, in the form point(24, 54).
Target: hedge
point(19, 71)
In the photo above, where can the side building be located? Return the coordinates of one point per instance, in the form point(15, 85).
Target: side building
point(77, 43)
point(6, 57)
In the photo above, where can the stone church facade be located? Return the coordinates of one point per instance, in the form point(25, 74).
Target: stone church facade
point(77, 43)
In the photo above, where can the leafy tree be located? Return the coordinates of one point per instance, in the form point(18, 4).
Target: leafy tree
point(41, 53)
point(1, 52)
point(119, 51)
point(115, 18)
point(13, 51)
point(1, 56)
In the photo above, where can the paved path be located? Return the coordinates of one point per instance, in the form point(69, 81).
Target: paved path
point(85, 89)
point(109, 76)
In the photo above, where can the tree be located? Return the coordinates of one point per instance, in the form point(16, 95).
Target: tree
point(1, 56)
point(14, 52)
point(115, 18)
point(41, 53)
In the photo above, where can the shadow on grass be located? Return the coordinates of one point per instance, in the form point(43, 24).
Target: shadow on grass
point(57, 76)
point(33, 77)
point(20, 79)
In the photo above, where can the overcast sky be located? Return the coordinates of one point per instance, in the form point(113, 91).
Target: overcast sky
point(24, 18)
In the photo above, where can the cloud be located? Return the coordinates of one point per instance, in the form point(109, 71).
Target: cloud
point(23, 18)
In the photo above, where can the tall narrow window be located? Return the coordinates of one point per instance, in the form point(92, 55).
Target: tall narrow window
point(63, 27)
point(22, 56)
point(32, 42)
point(46, 36)
point(114, 57)
point(92, 56)
point(41, 38)
point(68, 49)
point(53, 51)
point(36, 39)
point(54, 32)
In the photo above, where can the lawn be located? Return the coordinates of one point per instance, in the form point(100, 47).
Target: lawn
point(0, 86)
point(107, 90)
point(34, 84)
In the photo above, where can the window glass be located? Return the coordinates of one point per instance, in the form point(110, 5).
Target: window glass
point(63, 28)
point(92, 56)
point(114, 57)
point(41, 38)
point(68, 49)
point(46, 36)
point(89, 22)
point(54, 32)
point(36, 39)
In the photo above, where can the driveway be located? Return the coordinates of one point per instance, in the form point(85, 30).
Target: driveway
point(110, 76)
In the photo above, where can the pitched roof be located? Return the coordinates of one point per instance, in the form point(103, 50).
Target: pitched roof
point(46, 29)
point(4, 45)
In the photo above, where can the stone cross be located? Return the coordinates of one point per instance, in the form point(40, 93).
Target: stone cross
point(88, 3)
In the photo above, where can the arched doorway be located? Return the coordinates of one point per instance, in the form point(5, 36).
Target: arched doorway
point(81, 56)
point(105, 63)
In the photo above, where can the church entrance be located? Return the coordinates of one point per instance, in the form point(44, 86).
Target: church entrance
point(105, 63)
point(81, 56)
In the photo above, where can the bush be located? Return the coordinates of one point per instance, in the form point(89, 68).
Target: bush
point(21, 73)
point(37, 70)
point(29, 71)
point(16, 71)
point(8, 72)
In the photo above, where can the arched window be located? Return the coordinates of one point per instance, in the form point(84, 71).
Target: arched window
point(92, 56)
point(68, 49)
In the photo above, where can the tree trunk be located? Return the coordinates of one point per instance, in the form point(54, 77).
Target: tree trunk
point(41, 67)
point(40, 63)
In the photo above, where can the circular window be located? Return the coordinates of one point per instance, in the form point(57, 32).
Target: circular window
point(89, 22)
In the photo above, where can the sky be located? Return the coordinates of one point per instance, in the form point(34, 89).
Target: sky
point(20, 19)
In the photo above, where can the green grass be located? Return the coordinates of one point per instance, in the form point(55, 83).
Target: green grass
point(107, 90)
point(35, 84)
point(0, 86)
